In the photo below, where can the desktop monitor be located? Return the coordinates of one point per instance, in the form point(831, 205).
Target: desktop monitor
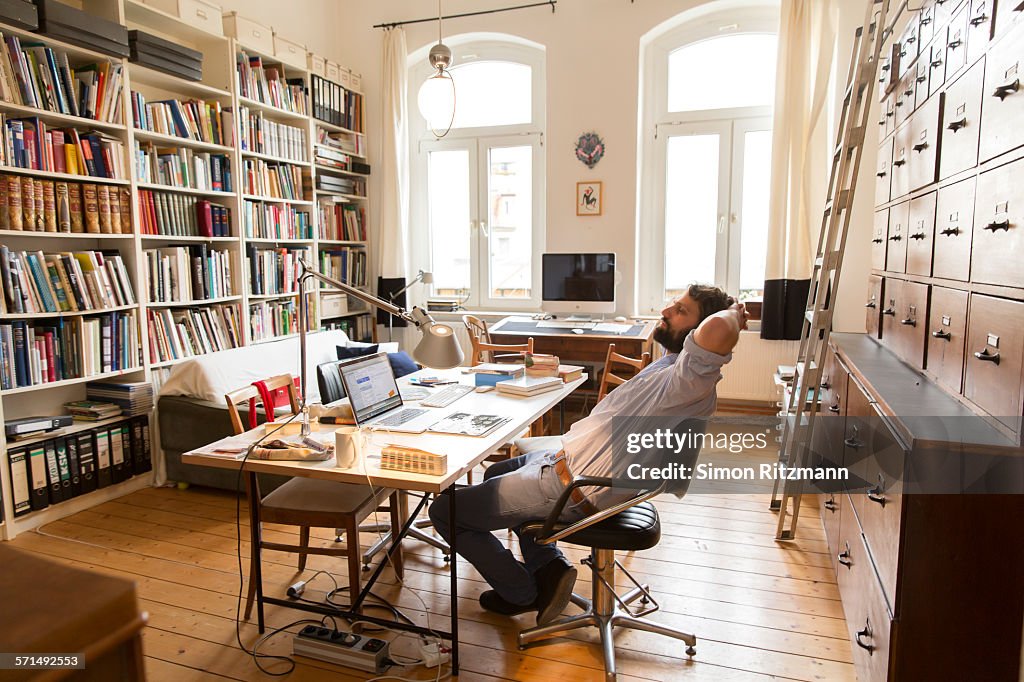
point(578, 283)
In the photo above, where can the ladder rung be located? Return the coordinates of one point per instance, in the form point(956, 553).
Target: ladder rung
point(829, 261)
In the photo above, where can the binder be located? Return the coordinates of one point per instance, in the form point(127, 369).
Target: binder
point(102, 444)
point(135, 437)
point(37, 477)
point(117, 473)
point(53, 473)
point(147, 451)
point(74, 463)
point(63, 468)
point(21, 496)
point(87, 461)
point(126, 450)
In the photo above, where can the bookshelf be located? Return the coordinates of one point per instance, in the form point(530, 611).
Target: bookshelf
point(167, 213)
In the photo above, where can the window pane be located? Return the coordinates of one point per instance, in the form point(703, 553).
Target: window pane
point(448, 206)
point(731, 71)
point(691, 211)
point(510, 220)
point(492, 94)
point(757, 153)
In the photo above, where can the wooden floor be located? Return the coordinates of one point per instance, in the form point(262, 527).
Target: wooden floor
point(759, 609)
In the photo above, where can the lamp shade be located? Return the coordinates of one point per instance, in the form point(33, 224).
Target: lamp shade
point(439, 348)
point(436, 100)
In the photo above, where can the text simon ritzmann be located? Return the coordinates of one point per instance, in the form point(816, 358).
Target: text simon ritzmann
point(711, 472)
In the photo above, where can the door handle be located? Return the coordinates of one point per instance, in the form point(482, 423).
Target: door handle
point(979, 20)
point(483, 228)
point(877, 240)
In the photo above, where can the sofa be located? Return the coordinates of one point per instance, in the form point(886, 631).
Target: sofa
point(191, 411)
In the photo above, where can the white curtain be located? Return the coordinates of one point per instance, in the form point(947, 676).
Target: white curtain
point(394, 161)
point(800, 145)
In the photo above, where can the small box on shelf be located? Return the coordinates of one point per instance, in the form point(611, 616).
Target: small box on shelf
point(249, 33)
point(355, 80)
point(333, 305)
point(316, 64)
point(332, 71)
point(289, 51)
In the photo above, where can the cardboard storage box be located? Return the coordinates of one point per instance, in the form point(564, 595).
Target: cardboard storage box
point(249, 33)
point(289, 51)
point(333, 305)
point(316, 64)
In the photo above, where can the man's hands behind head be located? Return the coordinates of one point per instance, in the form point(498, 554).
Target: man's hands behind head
point(720, 332)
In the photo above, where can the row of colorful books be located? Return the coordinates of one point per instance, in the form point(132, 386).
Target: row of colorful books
point(275, 221)
point(30, 143)
point(273, 271)
point(357, 328)
point(277, 180)
point(261, 135)
point(70, 281)
point(175, 334)
point(191, 119)
point(342, 222)
point(179, 215)
point(345, 263)
point(183, 274)
point(267, 84)
point(38, 205)
point(268, 319)
point(182, 167)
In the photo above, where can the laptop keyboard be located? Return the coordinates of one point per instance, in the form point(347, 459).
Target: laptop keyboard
point(400, 418)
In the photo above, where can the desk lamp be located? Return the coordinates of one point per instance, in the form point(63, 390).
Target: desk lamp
point(438, 349)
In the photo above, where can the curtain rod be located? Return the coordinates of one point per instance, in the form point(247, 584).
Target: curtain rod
point(394, 24)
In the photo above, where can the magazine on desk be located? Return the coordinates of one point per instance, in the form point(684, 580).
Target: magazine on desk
point(466, 424)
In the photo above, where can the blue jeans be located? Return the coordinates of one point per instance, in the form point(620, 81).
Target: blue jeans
point(512, 493)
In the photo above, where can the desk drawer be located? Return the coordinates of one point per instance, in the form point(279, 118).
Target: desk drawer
point(947, 331)
point(924, 144)
point(873, 306)
point(956, 42)
point(954, 222)
point(921, 237)
point(883, 176)
point(878, 239)
point(961, 122)
point(979, 28)
point(995, 347)
point(999, 227)
point(896, 244)
point(1003, 107)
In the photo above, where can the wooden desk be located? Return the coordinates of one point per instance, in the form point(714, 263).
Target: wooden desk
point(464, 453)
point(590, 346)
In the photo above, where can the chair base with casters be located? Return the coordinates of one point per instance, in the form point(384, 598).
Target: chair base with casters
point(630, 525)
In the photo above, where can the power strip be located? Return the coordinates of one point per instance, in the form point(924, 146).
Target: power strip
point(342, 648)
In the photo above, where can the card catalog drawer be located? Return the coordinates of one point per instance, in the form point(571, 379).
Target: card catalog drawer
point(203, 15)
point(316, 64)
point(995, 344)
point(289, 51)
point(922, 78)
point(890, 114)
point(961, 122)
point(937, 64)
point(947, 332)
point(249, 33)
point(912, 323)
point(999, 227)
point(979, 28)
point(883, 176)
point(890, 305)
point(1003, 108)
point(1007, 15)
point(873, 306)
point(956, 42)
point(921, 237)
point(954, 221)
point(926, 24)
point(896, 246)
point(924, 144)
point(878, 239)
point(944, 9)
point(909, 46)
point(900, 163)
point(904, 95)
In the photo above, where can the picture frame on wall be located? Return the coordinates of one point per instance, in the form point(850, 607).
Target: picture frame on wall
point(589, 199)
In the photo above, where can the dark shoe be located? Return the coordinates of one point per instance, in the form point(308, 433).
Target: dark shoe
point(554, 588)
point(495, 603)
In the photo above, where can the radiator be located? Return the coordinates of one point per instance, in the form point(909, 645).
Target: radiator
point(749, 375)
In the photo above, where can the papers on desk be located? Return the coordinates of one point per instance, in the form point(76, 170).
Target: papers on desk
point(232, 447)
point(612, 328)
point(465, 424)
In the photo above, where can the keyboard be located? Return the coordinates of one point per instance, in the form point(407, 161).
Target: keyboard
point(400, 418)
point(447, 396)
point(567, 325)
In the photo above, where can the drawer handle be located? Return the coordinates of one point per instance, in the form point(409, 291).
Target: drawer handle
point(979, 20)
point(844, 557)
point(1007, 89)
point(890, 114)
point(985, 356)
point(950, 232)
point(911, 40)
point(922, 79)
point(870, 304)
point(920, 146)
point(875, 494)
point(852, 442)
point(957, 124)
point(942, 334)
point(909, 321)
point(866, 632)
point(889, 311)
point(877, 240)
point(201, 14)
point(918, 235)
point(881, 174)
point(926, 20)
point(833, 409)
point(899, 162)
point(954, 44)
point(936, 63)
point(896, 238)
point(830, 504)
point(998, 225)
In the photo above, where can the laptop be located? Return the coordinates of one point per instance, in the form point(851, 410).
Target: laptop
point(376, 402)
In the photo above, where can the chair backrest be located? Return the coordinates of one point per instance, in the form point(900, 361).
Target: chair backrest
point(609, 379)
point(496, 352)
point(328, 379)
point(241, 395)
point(477, 328)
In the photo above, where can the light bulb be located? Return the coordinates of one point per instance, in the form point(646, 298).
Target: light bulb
point(436, 100)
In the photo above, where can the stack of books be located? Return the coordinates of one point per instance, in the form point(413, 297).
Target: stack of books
point(569, 373)
point(526, 386)
point(92, 410)
point(540, 365)
point(134, 398)
point(490, 373)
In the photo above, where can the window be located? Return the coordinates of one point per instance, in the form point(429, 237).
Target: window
point(709, 91)
point(477, 194)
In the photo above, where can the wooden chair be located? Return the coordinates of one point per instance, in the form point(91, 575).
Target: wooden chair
point(609, 379)
point(485, 351)
point(312, 503)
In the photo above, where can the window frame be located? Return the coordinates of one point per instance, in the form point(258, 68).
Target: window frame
point(478, 140)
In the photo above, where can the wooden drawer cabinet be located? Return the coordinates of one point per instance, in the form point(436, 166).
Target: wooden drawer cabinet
point(961, 122)
point(979, 28)
point(912, 323)
point(999, 227)
point(878, 239)
point(956, 41)
point(954, 222)
point(896, 241)
point(1003, 108)
point(890, 325)
point(921, 235)
point(995, 348)
point(873, 306)
point(883, 176)
point(827, 447)
point(900, 163)
point(924, 144)
point(947, 331)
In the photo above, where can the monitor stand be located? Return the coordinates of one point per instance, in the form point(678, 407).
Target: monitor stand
point(579, 318)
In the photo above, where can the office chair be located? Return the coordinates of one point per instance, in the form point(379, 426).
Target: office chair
point(613, 360)
point(312, 503)
point(328, 378)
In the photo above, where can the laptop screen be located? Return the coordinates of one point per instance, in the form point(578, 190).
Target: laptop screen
point(371, 387)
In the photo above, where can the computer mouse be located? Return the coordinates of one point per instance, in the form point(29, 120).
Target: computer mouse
point(620, 318)
point(577, 331)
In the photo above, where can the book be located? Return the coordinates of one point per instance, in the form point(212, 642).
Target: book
point(541, 365)
point(569, 373)
point(529, 386)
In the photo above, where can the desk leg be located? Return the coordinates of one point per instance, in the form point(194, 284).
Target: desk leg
point(561, 416)
point(255, 541)
point(454, 567)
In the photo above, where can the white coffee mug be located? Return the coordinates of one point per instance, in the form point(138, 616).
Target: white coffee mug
point(348, 446)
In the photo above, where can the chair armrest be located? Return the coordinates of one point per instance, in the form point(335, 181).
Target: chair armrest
point(546, 536)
